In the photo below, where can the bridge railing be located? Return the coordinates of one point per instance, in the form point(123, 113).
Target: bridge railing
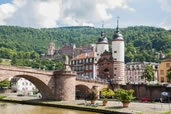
point(97, 79)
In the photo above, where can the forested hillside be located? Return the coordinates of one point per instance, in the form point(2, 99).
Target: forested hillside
point(142, 42)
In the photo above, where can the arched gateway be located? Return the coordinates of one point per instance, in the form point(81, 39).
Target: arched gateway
point(57, 85)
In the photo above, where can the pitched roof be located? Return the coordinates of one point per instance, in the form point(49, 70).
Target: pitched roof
point(85, 55)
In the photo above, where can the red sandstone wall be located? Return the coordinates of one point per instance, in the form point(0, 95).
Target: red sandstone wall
point(141, 91)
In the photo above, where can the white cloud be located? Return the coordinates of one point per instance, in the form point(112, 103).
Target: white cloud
point(166, 6)
point(52, 13)
point(6, 11)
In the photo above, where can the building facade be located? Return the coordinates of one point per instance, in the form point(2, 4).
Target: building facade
point(68, 49)
point(134, 71)
point(22, 86)
point(85, 65)
point(163, 69)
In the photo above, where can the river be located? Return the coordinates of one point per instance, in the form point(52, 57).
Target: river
point(12, 108)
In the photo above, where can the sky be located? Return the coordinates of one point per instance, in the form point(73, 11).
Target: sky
point(60, 13)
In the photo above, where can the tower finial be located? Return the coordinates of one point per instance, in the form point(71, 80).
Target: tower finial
point(103, 26)
point(118, 23)
point(102, 32)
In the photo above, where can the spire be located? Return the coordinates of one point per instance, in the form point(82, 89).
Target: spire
point(117, 29)
point(117, 35)
point(103, 38)
point(102, 32)
point(103, 26)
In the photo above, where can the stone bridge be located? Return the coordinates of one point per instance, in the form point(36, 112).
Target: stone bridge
point(53, 85)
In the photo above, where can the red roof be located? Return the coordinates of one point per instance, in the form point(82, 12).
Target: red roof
point(85, 55)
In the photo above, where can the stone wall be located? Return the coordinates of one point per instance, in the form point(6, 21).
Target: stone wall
point(3, 91)
point(141, 91)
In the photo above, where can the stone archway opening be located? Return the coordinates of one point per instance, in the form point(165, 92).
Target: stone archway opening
point(81, 91)
point(44, 90)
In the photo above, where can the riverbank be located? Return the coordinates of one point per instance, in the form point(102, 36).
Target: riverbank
point(114, 107)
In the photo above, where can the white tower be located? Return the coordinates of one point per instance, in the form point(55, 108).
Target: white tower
point(102, 45)
point(118, 55)
point(118, 45)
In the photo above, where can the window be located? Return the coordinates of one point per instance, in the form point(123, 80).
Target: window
point(114, 74)
point(91, 60)
point(115, 51)
point(72, 68)
point(79, 61)
point(167, 65)
point(86, 67)
point(115, 68)
point(91, 74)
point(91, 67)
point(87, 60)
point(79, 68)
point(161, 72)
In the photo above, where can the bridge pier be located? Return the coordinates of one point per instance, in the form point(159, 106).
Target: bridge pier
point(65, 82)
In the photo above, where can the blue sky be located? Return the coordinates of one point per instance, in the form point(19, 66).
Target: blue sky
point(57, 13)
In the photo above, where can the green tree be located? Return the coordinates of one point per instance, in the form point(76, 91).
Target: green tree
point(169, 74)
point(0, 60)
point(148, 73)
point(4, 83)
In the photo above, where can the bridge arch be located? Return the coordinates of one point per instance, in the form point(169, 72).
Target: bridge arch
point(81, 91)
point(41, 79)
point(40, 85)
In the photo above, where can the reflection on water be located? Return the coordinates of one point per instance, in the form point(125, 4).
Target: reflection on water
point(9, 108)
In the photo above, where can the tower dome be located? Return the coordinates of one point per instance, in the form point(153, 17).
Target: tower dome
point(117, 35)
point(103, 38)
point(102, 45)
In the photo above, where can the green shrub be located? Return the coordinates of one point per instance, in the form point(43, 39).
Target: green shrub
point(1, 97)
point(5, 83)
point(124, 95)
point(107, 93)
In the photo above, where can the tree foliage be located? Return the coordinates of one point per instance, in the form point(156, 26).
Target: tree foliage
point(107, 93)
point(124, 96)
point(142, 42)
point(148, 73)
point(169, 74)
point(5, 83)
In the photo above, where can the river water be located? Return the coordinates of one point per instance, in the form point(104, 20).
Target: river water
point(11, 108)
